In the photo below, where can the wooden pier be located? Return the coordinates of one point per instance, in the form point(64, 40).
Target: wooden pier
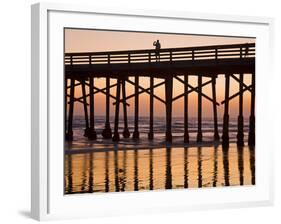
point(81, 70)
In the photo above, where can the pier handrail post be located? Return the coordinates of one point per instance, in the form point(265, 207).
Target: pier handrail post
point(151, 103)
point(69, 135)
point(151, 109)
point(108, 58)
point(192, 55)
point(216, 53)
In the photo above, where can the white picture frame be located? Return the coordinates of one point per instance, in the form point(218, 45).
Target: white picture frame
point(48, 201)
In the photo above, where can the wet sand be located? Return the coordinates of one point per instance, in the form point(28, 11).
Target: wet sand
point(115, 168)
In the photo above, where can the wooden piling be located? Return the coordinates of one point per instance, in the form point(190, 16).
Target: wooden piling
point(151, 109)
point(169, 96)
point(107, 133)
point(136, 133)
point(225, 136)
point(199, 117)
point(92, 135)
point(69, 135)
point(251, 139)
point(126, 133)
point(83, 85)
point(240, 134)
point(186, 134)
point(216, 132)
point(116, 136)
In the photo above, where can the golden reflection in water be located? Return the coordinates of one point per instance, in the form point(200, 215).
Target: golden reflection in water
point(163, 168)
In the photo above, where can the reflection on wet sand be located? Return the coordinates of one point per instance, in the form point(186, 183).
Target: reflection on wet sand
point(215, 176)
point(163, 168)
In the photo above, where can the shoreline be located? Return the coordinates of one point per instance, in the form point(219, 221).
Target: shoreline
point(122, 147)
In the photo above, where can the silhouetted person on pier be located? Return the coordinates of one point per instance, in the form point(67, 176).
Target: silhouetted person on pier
point(157, 49)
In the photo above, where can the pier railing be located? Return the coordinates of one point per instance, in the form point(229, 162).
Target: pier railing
point(214, 52)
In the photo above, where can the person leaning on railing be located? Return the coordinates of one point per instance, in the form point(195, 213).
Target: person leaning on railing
point(157, 49)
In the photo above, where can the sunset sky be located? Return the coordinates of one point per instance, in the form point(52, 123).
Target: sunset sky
point(96, 40)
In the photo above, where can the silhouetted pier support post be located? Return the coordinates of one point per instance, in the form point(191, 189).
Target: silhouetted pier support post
point(92, 135)
point(216, 132)
point(225, 136)
point(251, 139)
point(186, 135)
point(116, 136)
point(136, 133)
point(69, 135)
point(151, 109)
point(199, 122)
point(107, 133)
point(126, 133)
point(86, 132)
point(169, 98)
point(240, 134)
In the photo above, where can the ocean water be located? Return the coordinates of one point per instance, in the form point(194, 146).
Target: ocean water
point(103, 166)
point(81, 142)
